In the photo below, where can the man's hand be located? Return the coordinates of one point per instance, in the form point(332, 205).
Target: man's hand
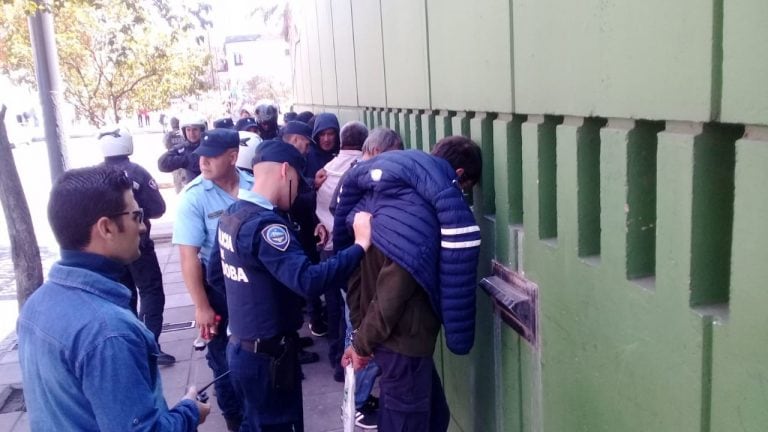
point(205, 317)
point(320, 177)
point(358, 361)
point(322, 232)
point(362, 227)
point(203, 408)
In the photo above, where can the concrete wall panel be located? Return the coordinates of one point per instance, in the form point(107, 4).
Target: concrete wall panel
point(470, 55)
point(739, 366)
point(369, 55)
point(405, 53)
point(344, 52)
point(745, 65)
point(614, 58)
point(313, 52)
point(327, 57)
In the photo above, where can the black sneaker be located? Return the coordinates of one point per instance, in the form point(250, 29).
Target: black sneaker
point(370, 404)
point(318, 328)
point(307, 357)
point(368, 420)
point(165, 359)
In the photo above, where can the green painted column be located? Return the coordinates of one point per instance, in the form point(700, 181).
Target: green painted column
point(394, 120)
point(507, 175)
point(428, 135)
point(739, 364)
point(614, 140)
point(443, 126)
point(416, 137)
point(481, 132)
point(674, 213)
point(369, 121)
point(404, 120)
point(460, 124)
point(567, 184)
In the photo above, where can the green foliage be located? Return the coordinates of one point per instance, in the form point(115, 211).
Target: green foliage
point(115, 56)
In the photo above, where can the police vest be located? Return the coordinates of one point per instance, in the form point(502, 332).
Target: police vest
point(259, 306)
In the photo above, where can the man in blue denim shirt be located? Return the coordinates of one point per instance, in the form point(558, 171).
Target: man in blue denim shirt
point(87, 362)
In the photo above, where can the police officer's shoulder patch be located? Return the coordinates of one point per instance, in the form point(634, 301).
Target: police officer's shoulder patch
point(277, 236)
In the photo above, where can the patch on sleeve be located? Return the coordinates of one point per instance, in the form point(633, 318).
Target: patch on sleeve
point(277, 236)
point(153, 184)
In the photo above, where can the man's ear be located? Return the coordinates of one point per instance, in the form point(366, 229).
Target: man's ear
point(459, 172)
point(284, 170)
point(104, 228)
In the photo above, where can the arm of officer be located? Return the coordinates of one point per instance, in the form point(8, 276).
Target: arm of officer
point(189, 233)
point(288, 263)
point(175, 158)
point(152, 202)
point(213, 271)
point(123, 389)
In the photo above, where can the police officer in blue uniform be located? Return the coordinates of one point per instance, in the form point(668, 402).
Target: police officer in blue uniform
point(266, 274)
point(205, 198)
point(144, 274)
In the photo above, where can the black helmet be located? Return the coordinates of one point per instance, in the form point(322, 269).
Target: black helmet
point(266, 113)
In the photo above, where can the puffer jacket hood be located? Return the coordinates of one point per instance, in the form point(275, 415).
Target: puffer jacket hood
point(422, 222)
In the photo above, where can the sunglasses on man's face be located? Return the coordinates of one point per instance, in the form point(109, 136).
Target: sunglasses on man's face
point(136, 215)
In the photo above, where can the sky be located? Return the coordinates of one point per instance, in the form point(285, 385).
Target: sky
point(232, 17)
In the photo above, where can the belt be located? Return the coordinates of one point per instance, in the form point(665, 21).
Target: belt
point(272, 346)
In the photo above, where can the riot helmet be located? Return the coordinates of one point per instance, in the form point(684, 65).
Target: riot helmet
point(195, 120)
point(115, 141)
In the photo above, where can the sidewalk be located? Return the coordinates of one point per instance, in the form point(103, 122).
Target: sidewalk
point(322, 395)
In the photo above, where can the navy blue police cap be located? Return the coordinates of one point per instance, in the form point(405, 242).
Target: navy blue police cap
point(245, 123)
point(278, 151)
point(224, 123)
point(217, 141)
point(297, 128)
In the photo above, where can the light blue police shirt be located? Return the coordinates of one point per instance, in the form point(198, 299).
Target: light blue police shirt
point(197, 216)
point(255, 198)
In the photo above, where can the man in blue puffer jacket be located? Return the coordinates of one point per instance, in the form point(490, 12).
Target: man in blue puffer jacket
point(420, 273)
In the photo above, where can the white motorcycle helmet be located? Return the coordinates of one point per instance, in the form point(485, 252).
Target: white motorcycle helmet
point(249, 141)
point(115, 141)
point(192, 120)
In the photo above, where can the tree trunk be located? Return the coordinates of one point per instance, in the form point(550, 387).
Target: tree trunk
point(25, 253)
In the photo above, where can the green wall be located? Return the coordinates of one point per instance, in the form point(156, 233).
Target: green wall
point(625, 147)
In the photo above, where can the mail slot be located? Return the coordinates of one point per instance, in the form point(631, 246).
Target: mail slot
point(515, 299)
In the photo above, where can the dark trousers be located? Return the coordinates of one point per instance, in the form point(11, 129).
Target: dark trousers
point(265, 409)
point(411, 397)
point(144, 276)
point(337, 324)
point(227, 398)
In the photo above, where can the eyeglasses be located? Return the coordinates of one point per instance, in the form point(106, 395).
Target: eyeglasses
point(137, 215)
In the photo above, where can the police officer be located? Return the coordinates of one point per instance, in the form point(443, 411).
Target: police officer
point(247, 124)
point(224, 123)
point(204, 200)
point(143, 274)
point(183, 156)
point(173, 137)
point(266, 117)
point(266, 273)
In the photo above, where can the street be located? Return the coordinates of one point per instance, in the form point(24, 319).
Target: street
point(32, 165)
